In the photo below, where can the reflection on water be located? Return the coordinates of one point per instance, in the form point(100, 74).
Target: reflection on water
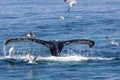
point(32, 74)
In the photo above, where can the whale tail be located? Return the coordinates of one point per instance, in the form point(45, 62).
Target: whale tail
point(55, 47)
point(80, 41)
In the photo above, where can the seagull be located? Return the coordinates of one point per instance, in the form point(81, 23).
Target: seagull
point(11, 51)
point(30, 60)
point(78, 17)
point(71, 3)
point(30, 34)
point(112, 41)
point(62, 17)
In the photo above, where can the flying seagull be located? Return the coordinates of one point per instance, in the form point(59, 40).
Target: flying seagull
point(11, 51)
point(112, 41)
point(71, 3)
point(30, 59)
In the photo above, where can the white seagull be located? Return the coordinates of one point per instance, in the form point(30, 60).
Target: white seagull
point(62, 17)
point(71, 3)
point(30, 59)
point(30, 34)
point(112, 41)
point(11, 51)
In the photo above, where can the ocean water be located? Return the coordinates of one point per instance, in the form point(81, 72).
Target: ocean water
point(89, 19)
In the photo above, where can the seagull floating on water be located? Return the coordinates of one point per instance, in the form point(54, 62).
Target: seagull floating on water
point(30, 60)
point(112, 41)
point(30, 34)
point(71, 3)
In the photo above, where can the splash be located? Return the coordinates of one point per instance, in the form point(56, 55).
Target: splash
point(72, 58)
point(64, 58)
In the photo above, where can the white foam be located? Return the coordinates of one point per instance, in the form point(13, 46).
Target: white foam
point(64, 58)
point(72, 58)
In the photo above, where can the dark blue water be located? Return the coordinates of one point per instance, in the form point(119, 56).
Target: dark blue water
point(95, 19)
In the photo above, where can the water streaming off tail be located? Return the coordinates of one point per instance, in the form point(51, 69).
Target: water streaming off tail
point(22, 47)
point(69, 53)
point(77, 49)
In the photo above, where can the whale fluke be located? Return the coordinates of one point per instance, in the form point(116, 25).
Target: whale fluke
point(26, 40)
point(55, 47)
point(80, 41)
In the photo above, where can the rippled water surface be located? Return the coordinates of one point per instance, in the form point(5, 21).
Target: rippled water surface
point(89, 19)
